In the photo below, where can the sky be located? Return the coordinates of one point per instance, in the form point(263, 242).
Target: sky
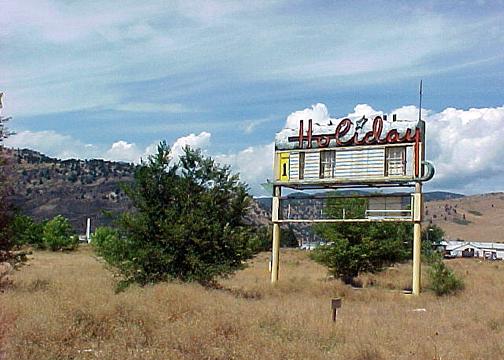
point(110, 79)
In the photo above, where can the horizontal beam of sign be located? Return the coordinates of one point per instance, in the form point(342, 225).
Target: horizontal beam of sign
point(395, 219)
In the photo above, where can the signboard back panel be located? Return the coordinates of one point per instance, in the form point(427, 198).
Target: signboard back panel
point(359, 163)
point(312, 166)
point(369, 152)
point(294, 165)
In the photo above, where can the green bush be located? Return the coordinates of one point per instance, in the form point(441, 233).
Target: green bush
point(58, 235)
point(346, 260)
point(443, 280)
point(25, 231)
point(359, 247)
point(187, 223)
point(106, 241)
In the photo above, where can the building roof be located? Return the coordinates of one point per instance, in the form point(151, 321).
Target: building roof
point(488, 246)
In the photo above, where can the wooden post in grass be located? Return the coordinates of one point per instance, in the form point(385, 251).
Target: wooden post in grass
point(335, 305)
point(417, 239)
point(275, 209)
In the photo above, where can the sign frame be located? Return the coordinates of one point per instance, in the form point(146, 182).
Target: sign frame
point(405, 134)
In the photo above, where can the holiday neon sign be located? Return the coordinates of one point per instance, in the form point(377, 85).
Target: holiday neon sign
point(373, 137)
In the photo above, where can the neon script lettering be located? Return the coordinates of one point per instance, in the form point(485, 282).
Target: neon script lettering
point(372, 137)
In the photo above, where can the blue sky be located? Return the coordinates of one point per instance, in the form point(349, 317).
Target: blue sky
point(111, 78)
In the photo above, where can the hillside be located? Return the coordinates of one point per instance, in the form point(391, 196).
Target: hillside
point(472, 218)
point(44, 187)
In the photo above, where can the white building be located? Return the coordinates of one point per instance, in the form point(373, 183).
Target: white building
point(484, 250)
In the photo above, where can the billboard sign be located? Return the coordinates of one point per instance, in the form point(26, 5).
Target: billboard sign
point(349, 152)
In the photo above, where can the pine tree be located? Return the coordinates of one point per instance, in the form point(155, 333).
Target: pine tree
point(359, 247)
point(187, 223)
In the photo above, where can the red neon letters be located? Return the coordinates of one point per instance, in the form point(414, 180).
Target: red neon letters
point(372, 137)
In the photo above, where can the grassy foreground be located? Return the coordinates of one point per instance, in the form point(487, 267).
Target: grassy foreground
point(63, 306)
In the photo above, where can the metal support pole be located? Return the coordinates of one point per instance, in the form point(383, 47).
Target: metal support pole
point(417, 240)
point(275, 209)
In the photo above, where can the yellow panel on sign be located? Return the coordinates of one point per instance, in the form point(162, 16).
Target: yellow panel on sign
point(284, 166)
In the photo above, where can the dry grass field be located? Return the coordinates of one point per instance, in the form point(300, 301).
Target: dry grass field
point(63, 306)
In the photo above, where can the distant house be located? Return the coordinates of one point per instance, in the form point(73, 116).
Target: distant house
point(484, 250)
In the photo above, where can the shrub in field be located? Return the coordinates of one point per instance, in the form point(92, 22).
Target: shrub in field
point(355, 248)
point(25, 231)
point(187, 223)
point(58, 235)
point(106, 242)
point(443, 280)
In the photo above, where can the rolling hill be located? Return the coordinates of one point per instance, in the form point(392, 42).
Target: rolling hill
point(44, 187)
point(472, 218)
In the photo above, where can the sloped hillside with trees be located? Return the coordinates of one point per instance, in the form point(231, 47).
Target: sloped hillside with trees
point(45, 187)
point(471, 218)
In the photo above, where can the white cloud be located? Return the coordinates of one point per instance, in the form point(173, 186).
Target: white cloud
point(52, 144)
point(150, 150)
point(466, 146)
point(255, 165)
point(193, 141)
point(364, 110)
point(123, 151)
point(320, 115)
point(410, 112)
point(63, 146)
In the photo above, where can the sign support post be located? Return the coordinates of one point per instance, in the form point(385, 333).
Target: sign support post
point(275, 210)
point(417, 240)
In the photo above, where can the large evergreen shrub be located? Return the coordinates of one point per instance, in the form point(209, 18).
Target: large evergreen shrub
point(353, 248)
point(187, 223)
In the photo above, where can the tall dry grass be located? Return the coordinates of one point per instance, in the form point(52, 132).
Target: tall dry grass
point(65, 307)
